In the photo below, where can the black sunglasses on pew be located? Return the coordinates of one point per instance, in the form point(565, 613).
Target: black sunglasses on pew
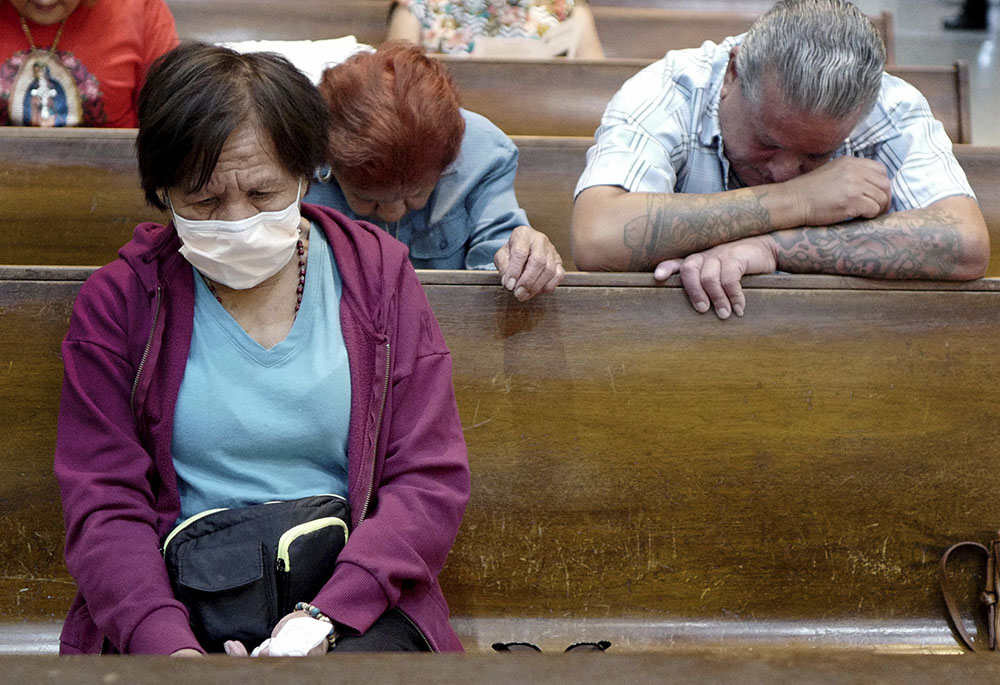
point(599, 646)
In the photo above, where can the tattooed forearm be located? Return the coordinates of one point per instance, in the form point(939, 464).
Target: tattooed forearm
point(678, 225)
point(923, 243)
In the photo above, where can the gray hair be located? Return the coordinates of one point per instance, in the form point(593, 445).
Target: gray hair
point(827, 56)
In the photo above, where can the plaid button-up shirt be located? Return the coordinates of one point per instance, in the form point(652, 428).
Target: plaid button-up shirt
point(660, 133)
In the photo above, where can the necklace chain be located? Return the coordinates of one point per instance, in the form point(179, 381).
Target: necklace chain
point(31, 41)
point(300, 248)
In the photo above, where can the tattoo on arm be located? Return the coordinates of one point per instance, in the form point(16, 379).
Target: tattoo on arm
point(676, 227)
point(922, 244)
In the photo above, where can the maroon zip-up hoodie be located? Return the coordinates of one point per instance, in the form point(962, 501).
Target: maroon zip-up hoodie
point(124, 357)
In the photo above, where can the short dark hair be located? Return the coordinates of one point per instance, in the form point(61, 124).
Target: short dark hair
point(197, 95)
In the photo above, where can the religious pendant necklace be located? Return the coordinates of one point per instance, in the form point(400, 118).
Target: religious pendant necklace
point(301, 249)
point(44, 91)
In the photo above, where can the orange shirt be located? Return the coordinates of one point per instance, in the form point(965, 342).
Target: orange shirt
point(104, 51)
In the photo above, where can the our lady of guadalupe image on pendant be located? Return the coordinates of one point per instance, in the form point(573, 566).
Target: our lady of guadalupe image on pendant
point(44, 93)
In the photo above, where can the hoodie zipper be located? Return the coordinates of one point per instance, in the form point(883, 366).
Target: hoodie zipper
point(416, 628)
point(378, 430)
point(145, 352)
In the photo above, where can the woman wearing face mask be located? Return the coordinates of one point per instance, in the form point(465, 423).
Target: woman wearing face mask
point(403, 155)
point(78, 62)
point(255, 349)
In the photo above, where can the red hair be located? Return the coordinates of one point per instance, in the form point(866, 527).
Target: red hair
point(395, 119)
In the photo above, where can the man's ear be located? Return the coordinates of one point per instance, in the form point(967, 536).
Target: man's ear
point(730, 77)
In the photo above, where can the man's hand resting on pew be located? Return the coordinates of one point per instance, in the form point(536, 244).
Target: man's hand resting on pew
point(945, 241)
point(712, 278)
point(529, 264)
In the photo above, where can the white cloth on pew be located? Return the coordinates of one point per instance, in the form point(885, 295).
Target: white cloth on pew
point(311, 57)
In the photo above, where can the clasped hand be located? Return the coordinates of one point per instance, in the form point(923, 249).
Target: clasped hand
point(842, 189)
point(296, 634)
point(529, 264)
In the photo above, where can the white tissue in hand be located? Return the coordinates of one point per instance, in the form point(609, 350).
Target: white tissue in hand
point(298, 636)
point(259, 648)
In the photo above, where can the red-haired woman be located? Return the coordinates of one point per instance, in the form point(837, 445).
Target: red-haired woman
point(406, 157)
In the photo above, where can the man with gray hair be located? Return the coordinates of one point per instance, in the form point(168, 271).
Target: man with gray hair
point(787, 148)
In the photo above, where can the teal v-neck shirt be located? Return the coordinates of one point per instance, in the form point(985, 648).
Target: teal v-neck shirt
point(255, 425)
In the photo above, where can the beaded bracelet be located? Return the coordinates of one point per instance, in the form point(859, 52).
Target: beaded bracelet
point(332, 636)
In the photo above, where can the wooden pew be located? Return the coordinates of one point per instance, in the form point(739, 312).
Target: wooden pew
point(69, 196)
point(677, 666)
point(216, 21)
point(550, 167)
point(640, 32)
point(642, 473)
point(93, 199)
point(648, 32)
point(520, 97)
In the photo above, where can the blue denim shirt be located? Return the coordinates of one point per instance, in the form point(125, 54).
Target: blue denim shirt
point(471, 212)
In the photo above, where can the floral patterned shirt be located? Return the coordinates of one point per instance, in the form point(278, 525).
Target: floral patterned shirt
point(452, 26)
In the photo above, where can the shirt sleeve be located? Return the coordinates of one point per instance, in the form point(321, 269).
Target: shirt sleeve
point(641, 127)
point(921, 164)
point(159, 32)
point(105, 477)
point(493, 209)
point(479, 187)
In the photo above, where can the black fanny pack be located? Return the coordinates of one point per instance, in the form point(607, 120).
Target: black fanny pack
point(238, 571)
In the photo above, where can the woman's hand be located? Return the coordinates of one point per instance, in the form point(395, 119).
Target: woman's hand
point(529, 264)
point(186, 652)
point(305, 637)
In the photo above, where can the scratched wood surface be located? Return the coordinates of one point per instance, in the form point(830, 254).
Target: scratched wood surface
point(804, 667)
point(634, 462)
point(567, 98)
point(97, 201)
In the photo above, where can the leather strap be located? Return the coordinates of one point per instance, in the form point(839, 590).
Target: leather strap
point(988, 596)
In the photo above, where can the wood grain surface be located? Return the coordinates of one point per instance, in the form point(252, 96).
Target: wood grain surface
point(98, 202)
point(548, 97)
point(650, 31)
point(804, 667)
point(635, 462)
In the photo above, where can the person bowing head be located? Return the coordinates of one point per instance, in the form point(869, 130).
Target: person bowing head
point(255, 349)
point(404, 155)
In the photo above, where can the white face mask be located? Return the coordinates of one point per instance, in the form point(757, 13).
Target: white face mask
point(241, 254)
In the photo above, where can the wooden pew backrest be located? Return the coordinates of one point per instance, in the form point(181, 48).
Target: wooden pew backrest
point(69, 196)
point(91, 200)
point(648, 32)
point(568, 98)
point(631, 32)
point(643, 469)
point(216, 21)
point(549, 168)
